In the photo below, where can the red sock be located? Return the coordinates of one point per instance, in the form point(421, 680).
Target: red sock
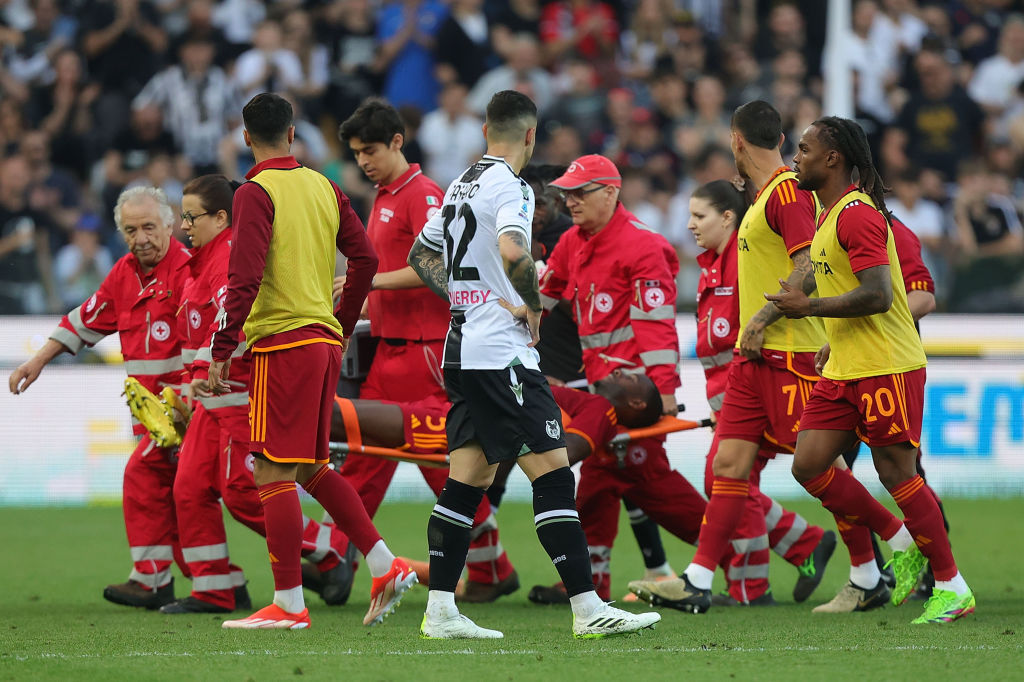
point(857, 539)
point(721, 518)
point(924, 521)
point(843, 495)
point(282, 514)
point(339, 499)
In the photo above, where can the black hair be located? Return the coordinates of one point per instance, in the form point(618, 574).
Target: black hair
point(708, 152)
point(759, 123)
point(374, 121)
point(848, 138)
point(267, 118)
point(723, 196)
point(215, 192)
point(652, 412)
point(507, 112)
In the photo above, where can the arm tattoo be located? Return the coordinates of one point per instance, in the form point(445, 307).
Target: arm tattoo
point(802, 277)
point(522, 271)
point(873, 296)
point(429, 265)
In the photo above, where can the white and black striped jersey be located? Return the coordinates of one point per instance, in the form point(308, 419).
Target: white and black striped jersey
point(487, 200)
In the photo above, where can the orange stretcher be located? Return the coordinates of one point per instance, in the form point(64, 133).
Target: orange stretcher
point(617, 445)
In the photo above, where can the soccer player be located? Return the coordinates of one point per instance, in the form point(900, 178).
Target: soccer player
point(214, 463)
point(771, 377)
point(143, 318)
point(873, 369)
point(288, 221)
point(476, 254)
point(410, 322)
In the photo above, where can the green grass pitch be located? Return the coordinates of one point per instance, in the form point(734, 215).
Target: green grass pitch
point(54, 623)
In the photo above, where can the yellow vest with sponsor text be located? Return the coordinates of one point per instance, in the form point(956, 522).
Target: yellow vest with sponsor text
point(875, 345)
point(299, 272)
point(762, 261)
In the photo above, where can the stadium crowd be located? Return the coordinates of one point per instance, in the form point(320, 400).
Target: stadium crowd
point(99, 95)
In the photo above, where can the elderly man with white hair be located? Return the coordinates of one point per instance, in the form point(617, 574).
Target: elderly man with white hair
point(138, 299)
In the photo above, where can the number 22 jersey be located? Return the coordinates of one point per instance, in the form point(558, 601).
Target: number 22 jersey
point(486, 201)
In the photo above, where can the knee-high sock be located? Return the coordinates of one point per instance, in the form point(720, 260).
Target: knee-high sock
point(283, 517)
point(559, 529)
point(647, 536)
point(448, 531)
point(857, 539)
point(843, 495)
point(340, 500)
point(721, 518)
point(924, 521)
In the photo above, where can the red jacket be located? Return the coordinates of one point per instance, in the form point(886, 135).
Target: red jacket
point(622, 283)
point(201, 302)
point(141, 308)
point(718, 317)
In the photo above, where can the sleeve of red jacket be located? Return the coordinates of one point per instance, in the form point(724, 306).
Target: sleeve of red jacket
point(908, 248)
point(355, 245)
point(554, 277)
point(253, 213)
point(87, 324)
point(652, 314)
point(219, 287)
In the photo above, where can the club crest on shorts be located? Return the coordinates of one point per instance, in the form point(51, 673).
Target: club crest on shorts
point(552, 428)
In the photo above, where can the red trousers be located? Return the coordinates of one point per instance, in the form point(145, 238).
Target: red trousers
point(215, 464)
point(149, 517)
point(648, 481)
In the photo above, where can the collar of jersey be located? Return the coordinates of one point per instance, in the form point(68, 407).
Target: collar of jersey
point(502, 159)
point(278, 163)
point(402, 180)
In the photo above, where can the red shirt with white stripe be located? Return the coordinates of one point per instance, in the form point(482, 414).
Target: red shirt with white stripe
point(718, 317)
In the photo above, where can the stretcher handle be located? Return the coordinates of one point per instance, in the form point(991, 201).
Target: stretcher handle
point(430, 460)
point(662, 426)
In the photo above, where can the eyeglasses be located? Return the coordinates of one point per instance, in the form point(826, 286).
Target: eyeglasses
point(578, 194)
point(191, 219)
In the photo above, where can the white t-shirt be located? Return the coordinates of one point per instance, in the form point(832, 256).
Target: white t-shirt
point(995, 81)
point(925, 219)
point(486, 201)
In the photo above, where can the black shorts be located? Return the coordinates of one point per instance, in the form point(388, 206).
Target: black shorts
point(509, 412)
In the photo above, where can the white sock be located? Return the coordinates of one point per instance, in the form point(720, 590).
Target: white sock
point(379, 559)
point(659, 571)
point(700, 577)
point(290, 601)
point(441, 604)
point(866, 575)
point(901, 541)
point(584, 605)
point(957, 585)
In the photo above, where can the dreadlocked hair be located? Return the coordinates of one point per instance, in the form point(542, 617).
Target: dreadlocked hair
point(848, 138)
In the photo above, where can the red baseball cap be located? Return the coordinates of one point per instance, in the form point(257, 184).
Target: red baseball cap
point(587, 169)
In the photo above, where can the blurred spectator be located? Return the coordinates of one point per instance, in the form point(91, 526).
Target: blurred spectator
point(268, 66)
point(51, 191)
point(668, 100)
point(407, 31)
point(199, 24)
point(516, 17)
point(618, 122)
point(581, 105)
point(585, 27)
point(81, 265)
point(926, 219)
point(413, 119)
point(564, 145)
point(464, 51)
point(51, 32)
point(451, 137)
point(708, 123)
point(314, 60)
point(64, 111)
point(784, 30)
point(996, 79)
point(349, 29)
point(712, 162)
point(199, 102)
point(636, 195)
point(26, 269)
point(126, 160)
point(976, 27)
point(646, 151)
point(648, 39)
point(986, 220)
point(123, 42)
point(12, 126)
point(899, 24)
point(239, 19)
point(938, 126)
point(522, 65)
point(690, 54)
point(746, 80)
point(874, 63)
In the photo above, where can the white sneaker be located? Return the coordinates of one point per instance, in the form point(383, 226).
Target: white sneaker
point(455, 626)
point(608, 621)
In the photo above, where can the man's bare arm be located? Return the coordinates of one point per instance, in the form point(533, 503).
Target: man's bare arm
point(873, 296)
point(429, 265)
point(520, 268)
